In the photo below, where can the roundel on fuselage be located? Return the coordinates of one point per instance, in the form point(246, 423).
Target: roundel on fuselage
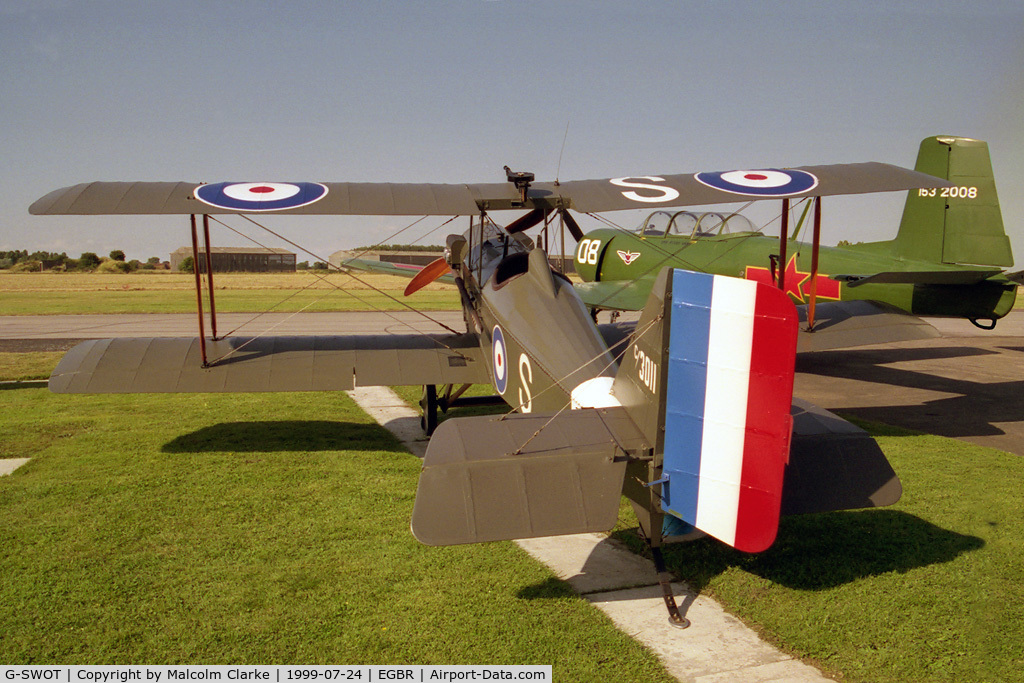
point(499, 360)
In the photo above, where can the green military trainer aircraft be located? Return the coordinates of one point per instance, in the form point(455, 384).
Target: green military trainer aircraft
point(947, 259)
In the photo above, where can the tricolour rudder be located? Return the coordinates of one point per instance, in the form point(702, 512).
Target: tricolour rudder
point(769, 424)
point(714, 356)
point(961, 224)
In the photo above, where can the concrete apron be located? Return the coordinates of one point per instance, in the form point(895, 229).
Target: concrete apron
point(717, 647)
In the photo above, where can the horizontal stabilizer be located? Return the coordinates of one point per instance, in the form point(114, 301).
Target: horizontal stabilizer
point(937, 277)
point(253, 364)
point(834, 465)
point(845, 324)
point(493, 478)
point(616, 295)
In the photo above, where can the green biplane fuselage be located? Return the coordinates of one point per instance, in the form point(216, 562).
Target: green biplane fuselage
point(946, 261)
point(976, 292)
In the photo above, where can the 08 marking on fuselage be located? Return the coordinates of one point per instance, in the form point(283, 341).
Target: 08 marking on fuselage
point(588, 251)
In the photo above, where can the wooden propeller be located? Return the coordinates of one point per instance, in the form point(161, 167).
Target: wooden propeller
point(430, 272)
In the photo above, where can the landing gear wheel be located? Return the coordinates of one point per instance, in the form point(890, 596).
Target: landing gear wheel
point(428, 406)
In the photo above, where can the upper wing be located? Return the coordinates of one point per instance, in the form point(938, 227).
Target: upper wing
point(610, 194)
point(380, 199)
point(314, 363)
point(727, 187)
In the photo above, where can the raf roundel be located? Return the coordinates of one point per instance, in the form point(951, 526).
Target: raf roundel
point(769, 182)
point(260, 196)
point(500, 359)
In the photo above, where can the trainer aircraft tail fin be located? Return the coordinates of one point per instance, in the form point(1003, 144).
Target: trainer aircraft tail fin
point(959, 224)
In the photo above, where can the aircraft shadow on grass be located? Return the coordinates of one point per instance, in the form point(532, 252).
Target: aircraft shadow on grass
point(811, 552)
point(975, 409)
point(284, 435)
point(823, 551)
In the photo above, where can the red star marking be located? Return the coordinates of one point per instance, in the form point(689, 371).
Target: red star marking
point(795, 279)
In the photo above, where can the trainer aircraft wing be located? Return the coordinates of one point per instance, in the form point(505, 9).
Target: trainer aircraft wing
point(846, 324)
point(400, 269)
point(838, 325)
point(253, 364)
point(384, 199)
point(919, 277)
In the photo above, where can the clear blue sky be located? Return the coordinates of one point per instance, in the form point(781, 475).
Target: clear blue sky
point(424, 91)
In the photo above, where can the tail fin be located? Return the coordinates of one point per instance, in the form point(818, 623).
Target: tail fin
point(960, 224)
point(709, 381)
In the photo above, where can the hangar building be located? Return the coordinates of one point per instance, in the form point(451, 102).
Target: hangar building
point(240, 259)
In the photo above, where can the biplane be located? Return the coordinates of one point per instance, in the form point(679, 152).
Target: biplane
point(947, 259)
point(688, 412)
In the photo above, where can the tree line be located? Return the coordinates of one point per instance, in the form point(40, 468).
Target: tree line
point(20, 260)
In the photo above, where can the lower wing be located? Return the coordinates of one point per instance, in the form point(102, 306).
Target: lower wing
point(253, 364)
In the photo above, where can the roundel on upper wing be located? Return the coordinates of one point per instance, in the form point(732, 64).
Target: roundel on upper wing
point(260, 196)
point(499, 358)
point(768, 182)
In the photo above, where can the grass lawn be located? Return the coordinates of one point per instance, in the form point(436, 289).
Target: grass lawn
point(926, 590)
point(166, 292)
point(216, 528)
point(17, 367)
point(257, 529)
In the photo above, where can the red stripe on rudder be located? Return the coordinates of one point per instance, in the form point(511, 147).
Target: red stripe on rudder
point(769, 425)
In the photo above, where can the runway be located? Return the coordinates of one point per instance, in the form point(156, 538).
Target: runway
point(967, 384)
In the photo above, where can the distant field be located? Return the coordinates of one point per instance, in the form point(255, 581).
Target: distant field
point(166, 292)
